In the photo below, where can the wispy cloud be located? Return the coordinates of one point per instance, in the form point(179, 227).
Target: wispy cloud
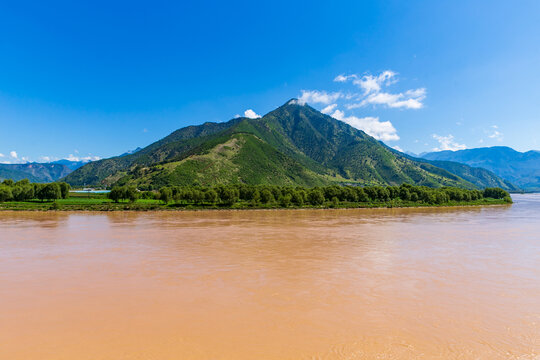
point(494, 133)
point(13, 154)
point(447, 143)
point(344, 78)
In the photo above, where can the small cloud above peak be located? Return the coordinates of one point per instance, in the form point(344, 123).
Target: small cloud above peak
point(293, 101)
point(251, 114)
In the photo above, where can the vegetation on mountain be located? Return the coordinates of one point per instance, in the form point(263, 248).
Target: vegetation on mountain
point(294, 145)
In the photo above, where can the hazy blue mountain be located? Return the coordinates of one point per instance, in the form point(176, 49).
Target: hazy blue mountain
point(35, 172)
point(520, 168)
point(480, 177)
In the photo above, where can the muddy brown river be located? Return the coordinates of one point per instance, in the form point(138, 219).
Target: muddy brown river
point(453, 283)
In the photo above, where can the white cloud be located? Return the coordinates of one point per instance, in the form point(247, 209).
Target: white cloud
point(380, 130)
point(448, 143)
point(318, 97)
point(410, 99)
point(82, 158)
point(368, 90)
point(329, 109)
point(45, 159)
point(251, 114)
point(396, 147)
point(13, 158)
point(372, 86)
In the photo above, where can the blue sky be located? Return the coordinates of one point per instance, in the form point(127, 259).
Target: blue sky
point(95, 79)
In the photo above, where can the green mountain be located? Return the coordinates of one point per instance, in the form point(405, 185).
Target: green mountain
point(35, 172)
point(519, 168)
point(292, 145)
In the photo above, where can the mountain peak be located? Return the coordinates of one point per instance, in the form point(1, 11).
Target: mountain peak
point(294, 101)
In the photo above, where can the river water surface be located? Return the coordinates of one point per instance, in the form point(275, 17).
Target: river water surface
point(454, 283)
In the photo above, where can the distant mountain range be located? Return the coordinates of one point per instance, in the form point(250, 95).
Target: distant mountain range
point(292, 145)
point(39, 172)
point(520, 168)
point(35, 172)
point(44, 172)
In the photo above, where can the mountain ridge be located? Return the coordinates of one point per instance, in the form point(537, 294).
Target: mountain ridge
point(519, 168)
point(291, 145)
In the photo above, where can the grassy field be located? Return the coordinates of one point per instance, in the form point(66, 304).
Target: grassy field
point(99, 202)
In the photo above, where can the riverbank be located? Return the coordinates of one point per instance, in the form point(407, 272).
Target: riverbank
point(93, 204)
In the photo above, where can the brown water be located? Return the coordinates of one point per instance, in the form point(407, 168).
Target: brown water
point(460, 283)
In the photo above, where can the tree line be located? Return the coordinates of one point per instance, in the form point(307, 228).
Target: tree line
point(284, 196)
point(24, 190)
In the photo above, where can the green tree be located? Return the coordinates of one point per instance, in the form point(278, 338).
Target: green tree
point(266, 196)
point(64, 189)
point(211, 196)
point(165, 194)
point(50, 191)
point(5, 193)
point(362, 196)
point(131, 193)
point(316, 197)
point(116, 194)
point(285, 200)
point(229, 195)
point(298, 197)
point(495, 193)
point(8, 182)
point(404, 194)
